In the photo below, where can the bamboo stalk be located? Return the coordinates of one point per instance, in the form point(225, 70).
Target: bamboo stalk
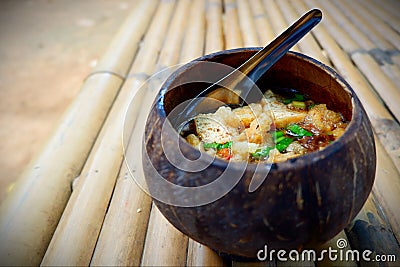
point(385, 87)
point(393, 72)
point(376, 32)
point(354, 17)
point(371, 231)
point(247, 25)
point(122, 235)
point(263, 27)
point(127, 248)
point(233, 38)
point(77, 232)
point(380, 12)
point(170, 50)
point(191, 47)
point(373, 26)
point(276, 19)
point(40, 195)
point(390, 7)
point(307, 44)
point(335, 16)
point(164, 246)
point(386, 128)
point(387, 188)
point(214, 27)
point(380, 119)
point(119, 57)
point(200, 255)
point(335, 29)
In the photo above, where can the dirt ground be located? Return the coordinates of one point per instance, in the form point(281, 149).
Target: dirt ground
point(47, 48)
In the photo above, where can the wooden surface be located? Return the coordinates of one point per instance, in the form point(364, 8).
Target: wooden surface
point(105, 218)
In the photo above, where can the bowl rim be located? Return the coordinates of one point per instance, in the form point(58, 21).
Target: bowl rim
point(307, 159)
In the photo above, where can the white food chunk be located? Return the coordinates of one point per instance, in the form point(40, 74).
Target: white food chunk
point(218, 127)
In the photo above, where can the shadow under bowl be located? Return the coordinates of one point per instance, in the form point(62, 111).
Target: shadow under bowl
point(302, 203)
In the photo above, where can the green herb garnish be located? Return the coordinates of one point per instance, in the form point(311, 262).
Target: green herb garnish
point(299, 104)
point(283, 144)
point(297, 97)
point(217, 146)
point(297, 131)
point(261, 152)
point(277, 134)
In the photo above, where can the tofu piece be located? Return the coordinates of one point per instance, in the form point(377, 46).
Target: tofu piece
point(211, 130)
point(284, 116)
point(245, 114)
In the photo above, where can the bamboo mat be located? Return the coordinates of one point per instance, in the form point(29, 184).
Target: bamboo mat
point(76, 204)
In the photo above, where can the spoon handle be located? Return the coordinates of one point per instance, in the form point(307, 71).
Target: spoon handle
point(258, 64)
point(251, 70)
point(243, 78)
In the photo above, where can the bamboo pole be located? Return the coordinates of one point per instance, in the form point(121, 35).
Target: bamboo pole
point(200, 255)
point(263, 27)
point(122, 243)
point(192, 49)
point(380, 118)
point(386, 189)
point(214, 27)
point(77, 232)
point(383, 84)
point(369, 25)
point(164, 245)
point(122, 235)
point(31, 212)
point(337, 32)
point(386, 128)
point(382, 14)
point(247, 25)
point(373, 26)
point(390, 7)
point(307, 44)
point(118, 58)
point(336, 17)
point(362, 25)
point(371, 230)
point(169, 54)
point(389, 92)
point(276, 19)
point(233, 38)
point(197, 254)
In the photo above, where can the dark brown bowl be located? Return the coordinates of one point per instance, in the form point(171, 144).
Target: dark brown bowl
point(303, 202)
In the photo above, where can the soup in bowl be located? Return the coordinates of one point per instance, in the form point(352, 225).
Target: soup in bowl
point(238, 206)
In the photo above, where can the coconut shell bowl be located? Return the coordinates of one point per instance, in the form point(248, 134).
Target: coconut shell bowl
point(301, 203)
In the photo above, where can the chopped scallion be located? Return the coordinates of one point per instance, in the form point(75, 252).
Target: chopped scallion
point(299, 104)
point(261, 153)
point(217, 145)
point(283, 144)
point(297, 131)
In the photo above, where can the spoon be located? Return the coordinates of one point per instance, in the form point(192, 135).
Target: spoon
point(244, 77)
